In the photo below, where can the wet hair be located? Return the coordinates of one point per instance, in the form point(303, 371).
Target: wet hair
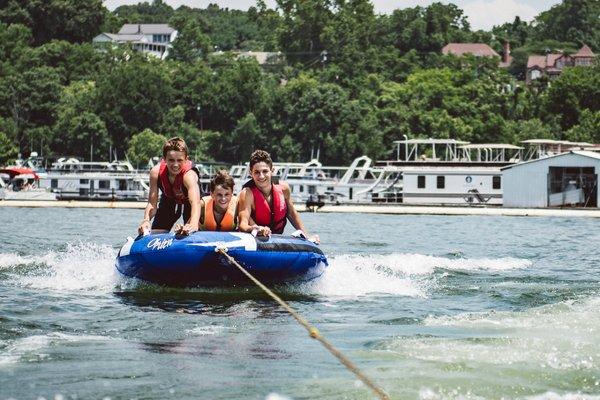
point(223, 179)
point(260, 156)
point(175, 144)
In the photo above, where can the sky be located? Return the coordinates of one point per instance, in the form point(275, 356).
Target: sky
point(482, 14)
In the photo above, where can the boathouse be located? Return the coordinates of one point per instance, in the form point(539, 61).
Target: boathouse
point(567, 179)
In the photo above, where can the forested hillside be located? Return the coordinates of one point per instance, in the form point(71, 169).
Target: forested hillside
point(352, 81)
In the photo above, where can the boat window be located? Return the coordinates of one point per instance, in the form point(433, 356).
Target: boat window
point(421, 182)
point(301, 188)
point(441, 182)
point(103, 184)
point(122, 184)
point(54, 183)
point(496, 182)
point(312, 189)
point(84, 181)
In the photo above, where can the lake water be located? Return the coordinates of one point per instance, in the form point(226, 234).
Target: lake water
point(430, 307)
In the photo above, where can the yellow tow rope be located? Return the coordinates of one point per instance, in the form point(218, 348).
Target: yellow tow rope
point(312, 331)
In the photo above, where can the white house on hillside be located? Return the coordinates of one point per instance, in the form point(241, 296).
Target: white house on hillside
point(154, 39)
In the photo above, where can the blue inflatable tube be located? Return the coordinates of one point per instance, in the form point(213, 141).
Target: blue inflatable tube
point(193, 260)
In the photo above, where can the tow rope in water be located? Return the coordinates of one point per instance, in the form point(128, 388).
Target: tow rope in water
point(312, 331)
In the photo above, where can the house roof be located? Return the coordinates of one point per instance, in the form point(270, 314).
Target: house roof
point(125, 38)
point(584, 153)
point(477, 49)
point(146, 29)
point(115, 37)
point(585, 51)
point(543, 61)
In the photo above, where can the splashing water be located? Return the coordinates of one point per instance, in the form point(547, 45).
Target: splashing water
point(560, 336)
point(399, 274)
point(82, 266)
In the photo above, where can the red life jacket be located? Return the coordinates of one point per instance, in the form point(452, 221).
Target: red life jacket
point(275, 215)
point(177, 190)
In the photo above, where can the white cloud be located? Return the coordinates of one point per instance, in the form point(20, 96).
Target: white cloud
point(485, 14)
point(482, 14)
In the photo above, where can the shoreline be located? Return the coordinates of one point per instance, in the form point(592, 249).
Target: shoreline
point(342, 208)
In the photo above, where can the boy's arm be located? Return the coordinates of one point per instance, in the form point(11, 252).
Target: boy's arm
point(151, 207)
point(292, 213)
point(190, 180)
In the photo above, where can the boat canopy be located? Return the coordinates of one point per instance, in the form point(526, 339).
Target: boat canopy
point(22, 173)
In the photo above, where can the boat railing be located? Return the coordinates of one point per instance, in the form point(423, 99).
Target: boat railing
point(491, 153)
point(354, 167)
point(73, 165)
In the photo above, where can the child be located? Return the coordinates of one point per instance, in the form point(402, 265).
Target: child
point(219, 210)
point(268, 204)
point(178, 182)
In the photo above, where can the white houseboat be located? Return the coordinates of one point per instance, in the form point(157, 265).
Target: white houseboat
point(72, 179)
point(452, 185)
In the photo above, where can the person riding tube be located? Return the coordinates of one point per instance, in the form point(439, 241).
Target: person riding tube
point(177, 181)
point(266, 204)
point(219, 211)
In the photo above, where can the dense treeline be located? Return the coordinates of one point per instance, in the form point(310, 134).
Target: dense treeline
point(353, 81)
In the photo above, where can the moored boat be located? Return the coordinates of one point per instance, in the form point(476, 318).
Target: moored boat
point(194, 260)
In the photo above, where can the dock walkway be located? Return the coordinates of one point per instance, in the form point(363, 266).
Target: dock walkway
point(346, 208)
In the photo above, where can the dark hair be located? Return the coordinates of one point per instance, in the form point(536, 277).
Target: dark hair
point(260, 156)
point(222, 178)
point(175, 143)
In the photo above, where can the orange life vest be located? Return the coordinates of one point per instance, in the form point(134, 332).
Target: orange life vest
point(273, 215)
point(176, 190)
point(228, 223)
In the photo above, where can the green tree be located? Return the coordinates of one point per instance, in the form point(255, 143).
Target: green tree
point(301, 31)
point(174, 124)
point(243, 138)
point(143, 146)
point(576, 89)
point(516, 32)
point(29, 99)
point(570, 21)
point(348, 38)
point(134, 96)
point(268, 23)
point(72, 20)
point(14, 40)
point(588, 128)
point(155, 12)
point(73, 62)
point(86, 134)
point(237, 88)
point(428, 29)
point(78, 130)
point(8, 150)
point(191, 44)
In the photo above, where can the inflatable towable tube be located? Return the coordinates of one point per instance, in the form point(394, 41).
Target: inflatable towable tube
point(192, 260)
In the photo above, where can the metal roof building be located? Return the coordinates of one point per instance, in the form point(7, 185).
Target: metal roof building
point(567, 179)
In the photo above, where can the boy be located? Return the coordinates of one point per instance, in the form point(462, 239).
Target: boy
point(178, 182)
point(268, 204)
point(219, 212)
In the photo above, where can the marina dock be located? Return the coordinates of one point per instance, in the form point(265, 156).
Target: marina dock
point(394, 209)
